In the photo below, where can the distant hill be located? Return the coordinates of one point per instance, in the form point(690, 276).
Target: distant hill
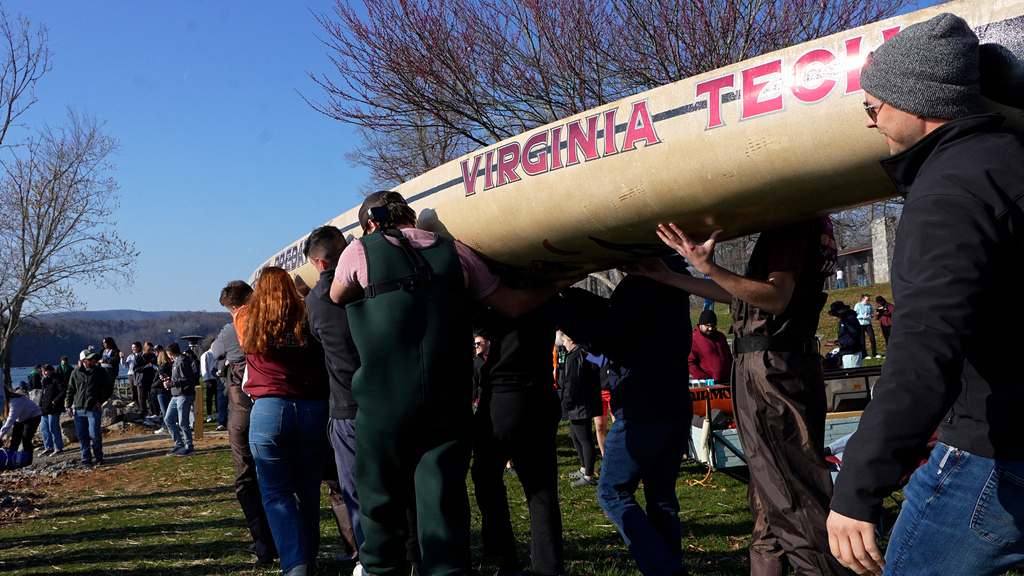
point(47, 339)
point(111, 315)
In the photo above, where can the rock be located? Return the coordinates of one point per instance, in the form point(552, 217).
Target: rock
point(131, 413)
point(67, 425)
point(111, 415)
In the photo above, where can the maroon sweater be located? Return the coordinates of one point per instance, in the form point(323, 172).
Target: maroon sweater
point(710, 357)
point(289, 371)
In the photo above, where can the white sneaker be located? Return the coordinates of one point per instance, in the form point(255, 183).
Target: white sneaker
point(160, 431)
point(359, 570)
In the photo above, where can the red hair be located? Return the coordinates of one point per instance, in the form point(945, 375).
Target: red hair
point(276, 313)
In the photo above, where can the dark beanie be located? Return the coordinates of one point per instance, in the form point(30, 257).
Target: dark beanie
point(708, 317)
point(929, 69)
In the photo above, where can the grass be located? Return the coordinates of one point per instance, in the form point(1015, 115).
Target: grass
point(149, 515)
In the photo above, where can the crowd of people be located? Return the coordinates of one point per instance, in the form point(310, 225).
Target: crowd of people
point(365, 381)
point(162, 381)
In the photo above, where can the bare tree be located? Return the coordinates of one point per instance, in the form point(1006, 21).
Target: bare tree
point(853, 226)
point(26, 60)
point(668, 40)
point(469, 73)
point(57, 200)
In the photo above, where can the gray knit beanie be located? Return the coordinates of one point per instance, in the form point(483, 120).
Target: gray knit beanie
point(929, 68)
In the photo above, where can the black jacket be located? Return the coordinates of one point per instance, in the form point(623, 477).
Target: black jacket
point(184, 376)
point(55, 391)
point(958, 270)
point(851, 336)
point(328, 322)
point(644, 331)
point(581, 386)
point(520, 355)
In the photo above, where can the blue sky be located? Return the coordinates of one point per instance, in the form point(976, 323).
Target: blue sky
point(221, 161)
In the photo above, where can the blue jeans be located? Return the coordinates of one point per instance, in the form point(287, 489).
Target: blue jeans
point(342, 435)
point(288, 437)
point(164, 400)
point(179, 410)
point(53, 439)
point(222, 405)
point(90, 434)
point(964, 514)
point(650, 451)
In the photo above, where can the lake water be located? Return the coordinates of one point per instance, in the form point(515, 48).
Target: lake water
point(20, 375)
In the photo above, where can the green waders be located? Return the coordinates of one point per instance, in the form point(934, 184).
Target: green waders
point(414, 420)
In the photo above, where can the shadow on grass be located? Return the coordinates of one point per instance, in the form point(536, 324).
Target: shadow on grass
point(123, 552)
point(150, 452)
point(149, 500)
point(232, 568)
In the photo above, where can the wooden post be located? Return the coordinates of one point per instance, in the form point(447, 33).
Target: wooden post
point(197, 433)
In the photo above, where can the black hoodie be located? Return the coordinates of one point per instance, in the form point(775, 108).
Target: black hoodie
point(958, 272)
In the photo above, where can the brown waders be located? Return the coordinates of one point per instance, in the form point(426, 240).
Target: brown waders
point(779, 402)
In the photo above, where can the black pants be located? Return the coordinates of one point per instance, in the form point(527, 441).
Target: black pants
point(582, 435)
point(22, 433)
point(519, 426)
point(885, 333)
point(779, 403)
point(247, 487)
point(144, 394)
point(210, 393)
point(869, 332)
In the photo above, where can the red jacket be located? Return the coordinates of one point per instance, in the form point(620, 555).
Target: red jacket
point(710, 357)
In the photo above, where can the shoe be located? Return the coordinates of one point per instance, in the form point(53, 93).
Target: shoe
point(56, 451)
point(359, 570)
point(221, 428)
point(584, 481)
point(160, 431)
point(342, 557)
point(46, 452)
point(299, 570)
point(176, 451)
point(263, 563)
point(576, 475)
point(192, 452)
point(209, 418)
point(87, 463)
point(100, 462)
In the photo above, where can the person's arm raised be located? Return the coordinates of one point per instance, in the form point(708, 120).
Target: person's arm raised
point(772, 295)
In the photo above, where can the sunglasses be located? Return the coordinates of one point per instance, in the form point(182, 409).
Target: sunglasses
point(872, 109)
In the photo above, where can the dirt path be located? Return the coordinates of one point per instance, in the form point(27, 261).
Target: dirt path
point(22, 490)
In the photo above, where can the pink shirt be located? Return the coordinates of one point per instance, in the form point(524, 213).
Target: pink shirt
point(480, 282)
